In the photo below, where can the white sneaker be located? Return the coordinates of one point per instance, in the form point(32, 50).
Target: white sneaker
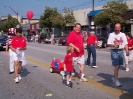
point(127, 69)
point(116, 82)
point(16, 80)
point(113, 79)
point(94, 66)
point(19, 77)
point(83, 79)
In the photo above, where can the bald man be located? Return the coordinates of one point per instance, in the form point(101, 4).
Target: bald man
point(117, 41)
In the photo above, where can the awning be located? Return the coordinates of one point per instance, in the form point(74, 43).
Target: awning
point(95, 13)
point(128, 15)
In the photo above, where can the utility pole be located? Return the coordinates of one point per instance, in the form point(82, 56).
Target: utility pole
point(16, 12)
point(92, 22)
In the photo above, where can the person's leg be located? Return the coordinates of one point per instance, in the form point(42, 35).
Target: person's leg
point(126, 61)
point(11, 67)
point(93, 50)
point(72, 75)
point(67, 80)
point(89, 55)
point(81, 64)
point(116, 69)
point(16, 71)
point(19, 67)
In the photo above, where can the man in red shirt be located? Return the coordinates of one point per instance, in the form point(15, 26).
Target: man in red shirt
point(91, 42)
point(18, 46)
point(75, 40)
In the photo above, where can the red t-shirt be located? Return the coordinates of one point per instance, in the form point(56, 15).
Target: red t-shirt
point(68, 62)
point(77, 40)
point(130, 43)
point(18, 42)
point(91, 39)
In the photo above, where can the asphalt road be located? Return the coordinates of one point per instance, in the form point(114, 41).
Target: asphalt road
point(37, 81)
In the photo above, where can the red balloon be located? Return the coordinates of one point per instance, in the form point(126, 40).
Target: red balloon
point(29, 14)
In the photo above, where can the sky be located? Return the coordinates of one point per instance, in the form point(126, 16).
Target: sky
point(38, 6)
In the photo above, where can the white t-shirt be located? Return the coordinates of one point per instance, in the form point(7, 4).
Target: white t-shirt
point(119, 38)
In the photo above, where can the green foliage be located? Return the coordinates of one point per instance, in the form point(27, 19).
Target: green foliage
point(111, 13)
point(47, 20)
point(9, 23)
point(52, 18)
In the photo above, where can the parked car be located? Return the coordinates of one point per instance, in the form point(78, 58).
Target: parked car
point(62, 41)
point(3, 42)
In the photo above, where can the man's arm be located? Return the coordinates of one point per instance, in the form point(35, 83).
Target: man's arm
point(126, 48)
point(76, 48)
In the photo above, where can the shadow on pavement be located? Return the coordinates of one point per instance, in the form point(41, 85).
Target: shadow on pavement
point(24, 72)
point(127, 83)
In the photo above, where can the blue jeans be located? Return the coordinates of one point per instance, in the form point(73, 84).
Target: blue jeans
point(117, 57)
point(91, 49)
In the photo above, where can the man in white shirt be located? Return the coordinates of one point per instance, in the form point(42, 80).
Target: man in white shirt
point(117, 41)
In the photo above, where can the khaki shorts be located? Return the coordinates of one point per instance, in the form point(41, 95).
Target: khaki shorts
point(78, 60)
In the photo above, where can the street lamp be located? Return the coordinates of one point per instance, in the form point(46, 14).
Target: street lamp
point(13, 11)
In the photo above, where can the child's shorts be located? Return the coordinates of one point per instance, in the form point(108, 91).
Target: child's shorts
point(69, 73)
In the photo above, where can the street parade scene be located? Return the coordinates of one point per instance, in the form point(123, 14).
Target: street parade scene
point(58, 49)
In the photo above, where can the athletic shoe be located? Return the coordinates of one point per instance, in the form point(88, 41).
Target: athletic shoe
point(16, 80)
point(127, 69)
point(83, 79)
point(116, 82)
point(11, 72)
point(94, 66)
point(69, 85)
point(19, 77)
point(113, 79)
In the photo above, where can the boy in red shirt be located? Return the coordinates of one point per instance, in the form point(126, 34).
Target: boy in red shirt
point(18, 46)
point(68, 67)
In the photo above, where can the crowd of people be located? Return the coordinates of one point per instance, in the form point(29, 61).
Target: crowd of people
point(121, 45)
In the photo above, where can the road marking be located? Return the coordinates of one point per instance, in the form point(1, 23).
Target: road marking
point(94, 83)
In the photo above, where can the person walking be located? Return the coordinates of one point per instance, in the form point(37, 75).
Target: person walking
point(118, 42)
point(68, 66)
point(129, 58)
point(91, 49)
point(11, 33)
point(18, 46)
point(75, 40)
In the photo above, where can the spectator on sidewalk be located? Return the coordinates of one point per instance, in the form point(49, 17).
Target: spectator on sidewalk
point(118, 42)
point(91, 49)
point(75, 40)
point(52, 38)
point(129, 58)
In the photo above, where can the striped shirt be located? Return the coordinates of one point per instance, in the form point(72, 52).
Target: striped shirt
point(9, 41)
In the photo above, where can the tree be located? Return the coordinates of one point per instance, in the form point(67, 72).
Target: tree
point(111, 13)
point(9, 23)
point(67, 19)
point(49, 18)
point(52, 18)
